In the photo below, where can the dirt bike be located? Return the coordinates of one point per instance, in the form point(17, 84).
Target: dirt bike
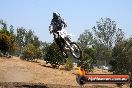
point(68, 45)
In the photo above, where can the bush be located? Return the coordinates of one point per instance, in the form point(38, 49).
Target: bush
point(38, 53)
point(53, 55)
point(88, 59)
point(28, 53)
point(4, 43)
point(7, 40)
point(122, 54)
point(68, 64)
point(31, 53)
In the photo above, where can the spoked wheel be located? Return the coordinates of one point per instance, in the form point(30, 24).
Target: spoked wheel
point(75, 50)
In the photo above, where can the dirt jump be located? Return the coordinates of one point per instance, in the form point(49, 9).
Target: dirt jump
point(15, 72)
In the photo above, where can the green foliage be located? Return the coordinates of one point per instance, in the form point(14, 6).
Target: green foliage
point(88, 59)
point(7, 39)
point(12, 40)
point(107, 34)
point(31, 52)
point(89, 53)
point(28, 52)
point(68, 64)
point(25, 38)
point(36, 41)
point(38, 53)
point(105, 31)
point(24, 43)
point(53, 55)
point(122, 54)
point(29, 37)
point(103, 37)
point(86, 39)
point(4, 28)
point(20, 40)
point(4, 43)
point(103, 54)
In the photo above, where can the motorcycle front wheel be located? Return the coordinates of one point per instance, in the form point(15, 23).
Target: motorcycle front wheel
point(75, 50)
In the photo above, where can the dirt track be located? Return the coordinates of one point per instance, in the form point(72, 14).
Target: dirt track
point(18, 73)
point(42, 85)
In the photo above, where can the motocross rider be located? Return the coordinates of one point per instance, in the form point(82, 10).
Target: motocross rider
point(56, 25)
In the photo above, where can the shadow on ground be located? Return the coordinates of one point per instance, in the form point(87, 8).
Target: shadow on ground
point(42, 85)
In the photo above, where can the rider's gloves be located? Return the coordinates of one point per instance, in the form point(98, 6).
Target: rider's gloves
point(65, 25)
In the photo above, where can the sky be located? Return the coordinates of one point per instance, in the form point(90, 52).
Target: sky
point(79, 14)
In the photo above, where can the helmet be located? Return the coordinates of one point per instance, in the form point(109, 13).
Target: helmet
point(56, 15)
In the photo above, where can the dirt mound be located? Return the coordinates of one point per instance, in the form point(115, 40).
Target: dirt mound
point(16, 70)
point(18, 73)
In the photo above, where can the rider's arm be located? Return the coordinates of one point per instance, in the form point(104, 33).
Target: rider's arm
point(65, 25)
point(51, 27)
point(63, 22)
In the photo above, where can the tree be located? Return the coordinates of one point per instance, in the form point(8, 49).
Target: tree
point(119, 36)
point(28, 44)
point(122, 57)
point(103, 37)
point(7, 39)
point(104, 31)
point(20, 40)
point(88, 59)
point(4, 43)
point(36, 41)
point(12, 40)
point(29, 52)
point(86, 39)
point(106, 34)
point(29, 36)
point(4, 28)
point(53, 55)
point(38, 53)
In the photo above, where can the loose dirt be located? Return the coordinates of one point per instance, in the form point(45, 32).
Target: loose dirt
point(15, 72)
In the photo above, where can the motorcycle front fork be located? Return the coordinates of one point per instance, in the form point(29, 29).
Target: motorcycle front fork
point(69, 46)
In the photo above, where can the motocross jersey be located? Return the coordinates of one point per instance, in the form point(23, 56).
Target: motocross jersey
point(57, 24)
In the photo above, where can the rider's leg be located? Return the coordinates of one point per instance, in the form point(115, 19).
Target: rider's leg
point(59, 44)
point(55, 35)
point(58, 41)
